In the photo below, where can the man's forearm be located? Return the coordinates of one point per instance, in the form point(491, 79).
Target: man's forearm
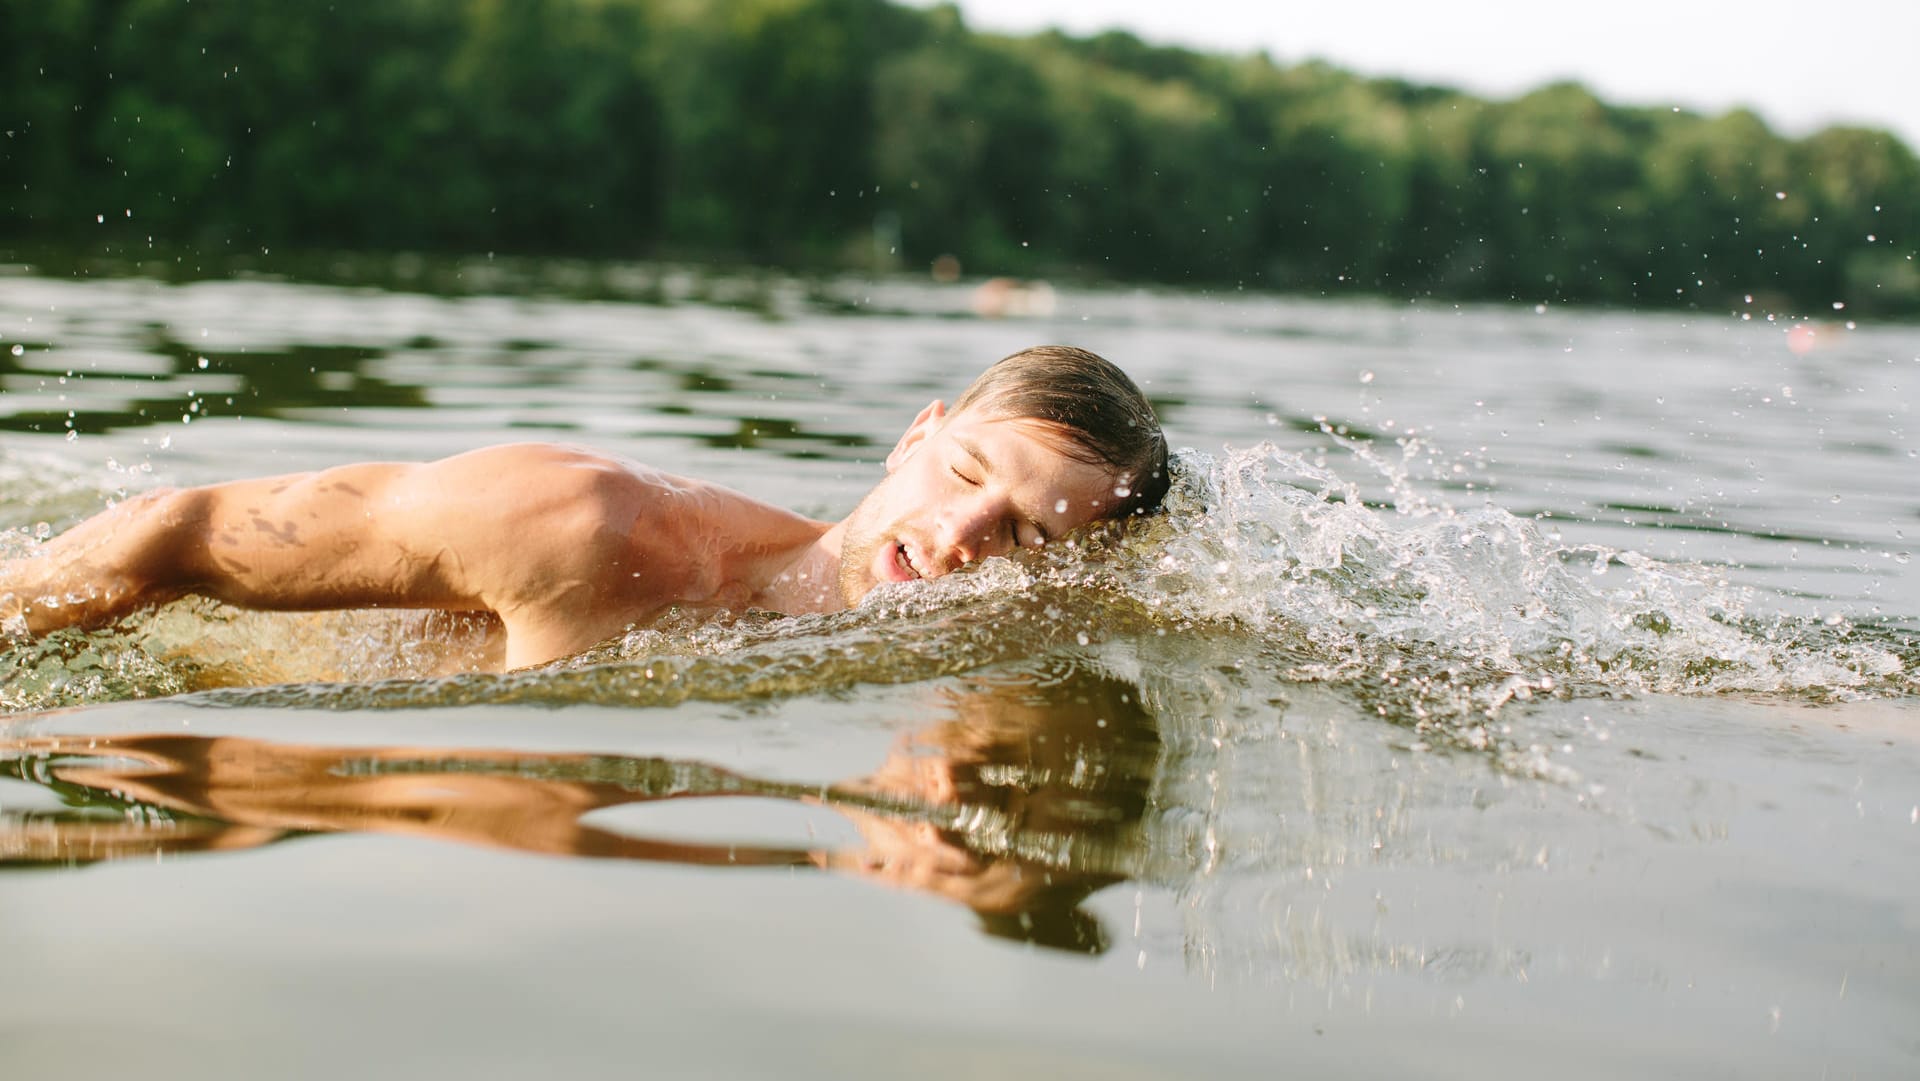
point(119, 561)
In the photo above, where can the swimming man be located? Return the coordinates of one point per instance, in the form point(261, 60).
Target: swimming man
point(567, 547)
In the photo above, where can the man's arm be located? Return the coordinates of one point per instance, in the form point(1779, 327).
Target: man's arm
point(524, 531)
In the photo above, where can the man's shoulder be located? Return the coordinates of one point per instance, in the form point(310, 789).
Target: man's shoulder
point(537, 456)
point(559, 485)
point(522, 516)
point(535, 474)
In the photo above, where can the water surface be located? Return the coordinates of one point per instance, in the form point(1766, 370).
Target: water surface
point(1507, 688)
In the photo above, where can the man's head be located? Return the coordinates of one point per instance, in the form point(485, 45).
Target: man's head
point(1042, 443)
point(1097, 414)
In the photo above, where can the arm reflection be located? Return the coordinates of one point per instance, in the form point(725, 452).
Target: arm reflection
point(1025, 797)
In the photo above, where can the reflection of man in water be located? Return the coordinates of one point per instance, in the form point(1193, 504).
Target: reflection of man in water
point(1024, 799)
point(567, 547)
point(1049, 779)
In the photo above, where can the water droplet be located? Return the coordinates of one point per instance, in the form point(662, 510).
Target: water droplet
point(100, 219)
point(18, 350)
point(1839, 304)
point(1833, 499)
point(1779, 195)
point(1060, 506)
point(202, 363)
point(1366, 377)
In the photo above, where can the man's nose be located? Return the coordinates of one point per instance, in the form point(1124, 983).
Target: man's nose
point(971, 534)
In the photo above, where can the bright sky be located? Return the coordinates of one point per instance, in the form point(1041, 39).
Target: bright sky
point(1801, 64)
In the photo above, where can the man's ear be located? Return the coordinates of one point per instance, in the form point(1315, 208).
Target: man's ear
point(923, 426)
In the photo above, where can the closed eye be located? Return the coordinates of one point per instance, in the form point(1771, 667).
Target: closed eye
point(969, 480)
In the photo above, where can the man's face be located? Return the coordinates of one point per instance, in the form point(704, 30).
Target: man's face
point(964, 487)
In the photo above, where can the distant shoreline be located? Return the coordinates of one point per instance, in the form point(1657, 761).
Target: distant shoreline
point(863, 136)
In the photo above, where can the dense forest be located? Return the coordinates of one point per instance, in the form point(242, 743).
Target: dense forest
point(822, 133)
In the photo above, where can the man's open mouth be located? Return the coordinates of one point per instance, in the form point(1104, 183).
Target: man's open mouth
point(905, 560)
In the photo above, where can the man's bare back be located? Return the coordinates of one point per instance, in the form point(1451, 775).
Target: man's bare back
point(567, 547)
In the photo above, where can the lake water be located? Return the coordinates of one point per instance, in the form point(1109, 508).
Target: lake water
point(1507, 691)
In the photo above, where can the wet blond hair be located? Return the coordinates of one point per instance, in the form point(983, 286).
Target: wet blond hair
point(1102, 416)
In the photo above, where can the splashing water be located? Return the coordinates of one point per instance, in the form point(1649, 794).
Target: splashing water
point(1285, 548)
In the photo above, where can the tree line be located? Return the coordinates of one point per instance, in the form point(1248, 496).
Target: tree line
point(813, 133)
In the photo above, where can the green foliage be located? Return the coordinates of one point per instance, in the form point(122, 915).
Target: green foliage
point(807, 131)
point(514, 124)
